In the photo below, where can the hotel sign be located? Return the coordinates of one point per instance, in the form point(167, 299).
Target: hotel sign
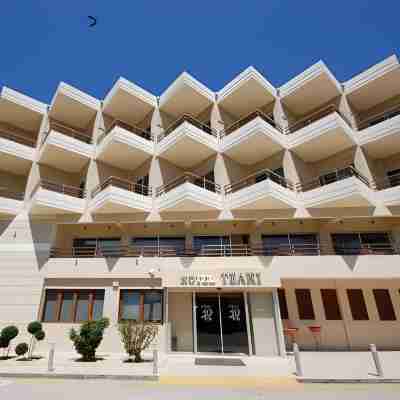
point(237, 279)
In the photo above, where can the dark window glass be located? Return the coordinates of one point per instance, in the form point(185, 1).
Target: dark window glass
point(384, 305)
point(362, 243)
point(357, 304)
point(304, 304)
point(82, 308)
point(172, 245)
point(276, 244)
point(141, 305)
point(283, 304)
point(210, 244)
point(50, 306)
point(66, 307)
point(152, 306)
point(107, 247)
point(98, 303)
point(346, 243)
point(73, 305)
point(331, 304)
point(394, 177)
point(299, 244)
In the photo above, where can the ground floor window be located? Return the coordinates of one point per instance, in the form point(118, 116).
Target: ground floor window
point(141, 305)
point(283, 304)
point(384, 305)
point(357, 304)
point(70, 305)
point(331, 304)
point(305, 304)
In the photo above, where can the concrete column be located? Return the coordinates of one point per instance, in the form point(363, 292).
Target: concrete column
point(280, 338)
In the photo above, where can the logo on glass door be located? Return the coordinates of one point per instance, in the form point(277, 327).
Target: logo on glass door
point(206, 312)
point(234, 312)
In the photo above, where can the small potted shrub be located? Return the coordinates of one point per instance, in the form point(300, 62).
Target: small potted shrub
point(6, 336)
point(21, 349)
point(137, 337)
point(88, 338)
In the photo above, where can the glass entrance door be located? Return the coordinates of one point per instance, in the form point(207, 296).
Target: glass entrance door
point(221, 323)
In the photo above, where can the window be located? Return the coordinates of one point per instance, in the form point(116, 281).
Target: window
point(283, 304)
point(210, 244)
point(331, 304)
point(73, 305)
point(141, 305)
point(89, 247)
point(304, 304)
point(384, 305)
point(150, 246)
point(362, 243)
point(292, 244)
point(357, 304)
point(394, 177)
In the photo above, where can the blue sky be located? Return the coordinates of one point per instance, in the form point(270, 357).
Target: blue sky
point(151, 42)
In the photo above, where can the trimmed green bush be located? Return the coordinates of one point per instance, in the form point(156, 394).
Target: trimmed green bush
point(89, 337)
point(39, 336)
point(21, 349)
point(35, 328)
point(6, 336)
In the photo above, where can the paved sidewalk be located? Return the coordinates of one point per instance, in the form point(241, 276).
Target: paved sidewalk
point(347, 366)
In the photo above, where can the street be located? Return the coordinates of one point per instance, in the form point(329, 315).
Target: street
point(46, 389)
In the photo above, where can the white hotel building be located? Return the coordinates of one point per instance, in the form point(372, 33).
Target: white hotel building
point(233, 219)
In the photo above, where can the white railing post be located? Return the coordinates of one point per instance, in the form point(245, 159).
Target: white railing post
point(155, 362)
point(297, 360)
point(377, 361)
point(50, 365)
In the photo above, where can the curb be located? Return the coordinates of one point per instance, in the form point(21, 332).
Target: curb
point(148, 378)
point(347, 380)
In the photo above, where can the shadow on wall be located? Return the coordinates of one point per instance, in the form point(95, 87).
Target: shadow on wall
point(43, 236)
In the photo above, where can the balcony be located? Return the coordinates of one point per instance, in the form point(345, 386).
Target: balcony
point(65, 148)
point(389, 190)
point(16, 152)
point(54, 198)
point(187, 142)
point(379, 134)
point(243, 140)
point(189, 193)
point(366, 249)
point(118, 196)
point(320, 135)
point(10, 202)
point(261, 191)
point(124, 146)
point(344, 187)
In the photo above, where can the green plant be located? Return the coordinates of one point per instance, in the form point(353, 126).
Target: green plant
point(35, 328)
point(21, 349)
point(6, 336)
point(137, 337)
point(89, 337)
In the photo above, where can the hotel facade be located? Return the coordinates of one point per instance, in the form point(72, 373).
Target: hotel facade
point(237, 220)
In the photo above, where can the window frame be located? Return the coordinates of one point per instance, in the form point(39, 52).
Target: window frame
point(327, 294)
point(380, 307)
point(142, 293)
point(302, 312)
point(353, 310)
point(60, 293)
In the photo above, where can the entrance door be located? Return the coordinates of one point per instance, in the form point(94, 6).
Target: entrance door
point(208, 324)
point(221, 323)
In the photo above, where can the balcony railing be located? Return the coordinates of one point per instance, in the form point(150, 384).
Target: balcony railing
point(189, 178)
point(365, 249)
point(388, 182)
point(67, 131)
point(379, 117)
point(233, 250)
point(187, 118)
point(258, 177)
point(59, 188)
point(122, 184)
point(128, 127)
point(10, 194)
point(330, 177)
point(313, 117)
point(243, 121)
point(14, 137)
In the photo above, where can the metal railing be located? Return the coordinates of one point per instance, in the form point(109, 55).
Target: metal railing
point(122, 184)
point(304, 249)
point(128, 127)
point(187, 118)
point(364, 249)
point(330, 177)
point(312, 117)
point(388, 182)
point(59, 188)
point(249, 117)
point(66, 130)
point(188, 177)
point(258, 176)
point(376, 118)
point(232, 250)
point(9, 194)
point(18, 138)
